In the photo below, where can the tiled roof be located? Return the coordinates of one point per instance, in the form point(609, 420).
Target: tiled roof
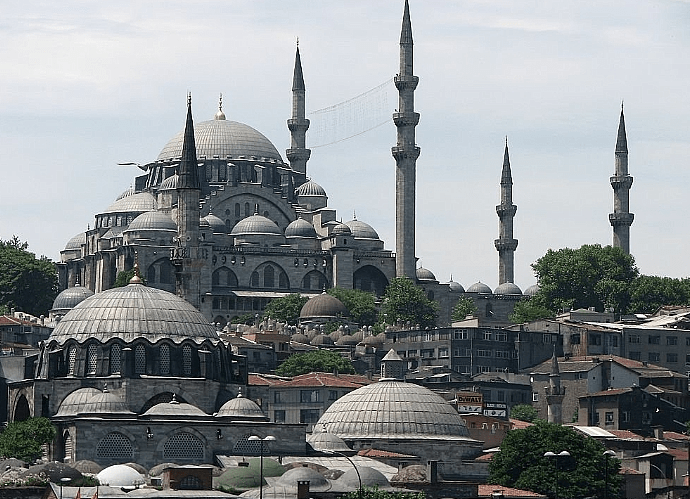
point(626, 434)
point(674, 435)
point(629, 471)
point(312, 380)
point(256, 380)
point(485, 457)
point(516, 424)
point(6, 320)
point(612, 391)
point(487, 489)
point(679, 454)
point(374, 453)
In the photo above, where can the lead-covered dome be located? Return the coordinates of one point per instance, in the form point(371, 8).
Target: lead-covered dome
point(73, 403)
point(241, 408)
point(71, 297)
point(323, 306)
point(256, 224)
point(76, 242)
point(508, 288)
point(362, 230)
point(479, 287)
point(134, 312)
point(392, 409)
point(310, 188)
point(300, 228)
point(216, 224)
point(153, 220)
point(532, 290)
point(225, 139)
point(425, 274)
point(141, 201)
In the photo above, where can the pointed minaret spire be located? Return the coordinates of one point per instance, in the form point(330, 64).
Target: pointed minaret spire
point(298, 154)
point(506, 244)
point(189, 170)
point(555, 393)
point(621, 219)
point(405, 153)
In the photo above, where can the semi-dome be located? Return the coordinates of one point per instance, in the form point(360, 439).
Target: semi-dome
point(300, 228)
point(141, 201)
point(532, 290)
point(73, 403)
point(241, 408)
point(120, 475)
point(153, 220)
point(126, 193)
point(174, 409)
point(479, 287)
point(170, 183)
point(76, 242)
point(131, 313)
point(225, 139)
point(105, 402)
point(507, 288)
point(362, 230)
point(310, 188)
point(216, 224)
point(71, 297)
point(425, 274)
point(322, 306)
point(392, 409)
point(256, 224)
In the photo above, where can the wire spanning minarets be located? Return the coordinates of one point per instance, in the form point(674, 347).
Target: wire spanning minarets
point(405, 153)
point(505, 244)
point(621, 219)
point(298, 154)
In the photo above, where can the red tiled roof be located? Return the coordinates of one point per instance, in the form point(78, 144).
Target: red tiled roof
point(485, 457)
point(7, 320)
point(612, 391)
point(516, 424)
point(674, 435)
point(374, 453)
point(487, 489)
point(678, 454)
point(256, 380)
point(629, 471)
point(312, 380)
point(627, 434)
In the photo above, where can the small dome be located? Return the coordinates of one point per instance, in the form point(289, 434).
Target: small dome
point(71, 297)
point(73, 402)
point(327, 441)
point(300, 228)
point(455, 287)
point(369, 477)
point(479, 287)
point(532, 290)
point(425, 274)
point(256, 224)
point(216, 224)
point(310, 188)
point(152, 220)
point(128, 192)
point(170, 183)
point(241, 408)
point(341, 230)
point(302, 474)
point(120, 475)
point(336, 335)
point(358, 335)
point(321, 340)
point(507, 288)
point(142, 201)
point(105, 403)
point(347, 340)
point(174, 408)
point(323, 306)
point(76, 242)
point(374, 340)
point(361, 230)
point(300, 338)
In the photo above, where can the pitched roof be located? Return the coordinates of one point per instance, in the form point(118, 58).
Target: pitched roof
point(517, 424)
point(311, 380)
point(487, 490)
point(374, 453)
point(626, 434)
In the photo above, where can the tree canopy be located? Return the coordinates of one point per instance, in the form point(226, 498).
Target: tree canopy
point(286, 308)
point(523, 412)
point(325, 361)
point(376, 493)
point(27, 283)
point(361, 304)
point(405, 301)
point(521, 462)
point(23, 439)
point(464, 307)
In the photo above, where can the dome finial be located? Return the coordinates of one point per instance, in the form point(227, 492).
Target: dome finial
point(354, 215)
point(136, 278)
point(220, 115)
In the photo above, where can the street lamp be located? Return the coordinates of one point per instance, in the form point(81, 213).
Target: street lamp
point(607, 454)
point(359, 477)
point(549, 454)
point(254, 438)
point(63, 481)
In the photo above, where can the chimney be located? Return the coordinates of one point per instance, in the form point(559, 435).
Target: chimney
point(303, 489)
point(659, 432)
point(432, 471)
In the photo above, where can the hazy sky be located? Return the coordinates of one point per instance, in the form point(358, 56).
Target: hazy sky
point(89, 84)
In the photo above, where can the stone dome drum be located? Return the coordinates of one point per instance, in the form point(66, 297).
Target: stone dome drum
point(131, 313)
point(392, 409)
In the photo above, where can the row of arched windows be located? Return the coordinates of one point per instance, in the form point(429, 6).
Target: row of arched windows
point(268, 276)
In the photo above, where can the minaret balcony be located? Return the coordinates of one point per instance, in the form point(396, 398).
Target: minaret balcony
point(298, 154)
point(618, 219)
point(405, 152)
point(506, 210)
point(405, 119)
point(506, 244)
point(621, 182)
point(298, 124)
point(406, 82)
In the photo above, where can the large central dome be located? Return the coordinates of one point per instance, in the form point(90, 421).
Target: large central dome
point(133, 312)
point(224, 139)
point(392, 409)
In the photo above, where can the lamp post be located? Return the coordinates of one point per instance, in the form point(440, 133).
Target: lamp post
point(254, 438)
point(607, 454)
point(63, 481)
point(549, 454)
point(359, 477)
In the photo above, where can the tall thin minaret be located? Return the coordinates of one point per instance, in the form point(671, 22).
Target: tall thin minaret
point(555, 393)
point(185, 255)
point(505, 244)
point(298, 154)
point(405, 153)
point(621, 219)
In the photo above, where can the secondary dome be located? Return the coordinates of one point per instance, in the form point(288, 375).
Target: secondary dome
point(73, 402)
point(120, 475)
point(76, 242)
point(341, 230)
point(170, 183)
point(300, 228)
point(479, 287)
point(362, 230)
point(425, 274)
point(217, 225)
point(532, 290)
point(310, 188)
point(256, 224)
point(391, 409)
point(224, 139)
point(153, 220)
point(323, 306)
point(105, 403)
point(71, 297)
point(508, 288)
point(175, 409)
point(134, 312)
point(142, 201)
point(241, 408)
point(455, 287)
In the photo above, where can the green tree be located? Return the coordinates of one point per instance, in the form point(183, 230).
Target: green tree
point(123, 277)
point(375, 493)
point(286, 308)
point(529, 310)
point(464, 307)
point(523, 412)
point(521, 462)
point(361, 304)
point(648, 293)
point(325, 361)
point(23, 439)
point(27, 283)
point(591, 276)
point(405, 301)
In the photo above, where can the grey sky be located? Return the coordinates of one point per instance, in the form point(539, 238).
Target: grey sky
point(89, 84)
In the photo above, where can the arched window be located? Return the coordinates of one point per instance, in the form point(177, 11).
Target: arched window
point(255, 280)
point(68, 448)
point(166, 272)
point(246, 210)
point(165, 359)
point(187, 360)
point(71, 360)
point(115, 358)
point(269, 280)
point(183, 446)
point(151, 274)
point(92, 359)
point(489, 310)
point(237, 209)
point(114, 445)
point(283, 282)
point(140, 359)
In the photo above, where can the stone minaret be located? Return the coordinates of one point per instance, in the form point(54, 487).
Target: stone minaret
point(298, 154)
point(621, 219)
point(555, 393)
point(405, 153)
point(505, 244)
point(185, 255)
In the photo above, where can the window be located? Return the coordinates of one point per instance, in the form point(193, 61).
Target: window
point(307, 396)
point(575, 339)
point(279, 416)
point(626, 416)
point(187, 360)
point(460, 334)
point(114, 446)
point(614, 340)
point(483, 369)
point(92, 353)
point(501, 337)
point(183, 446)
point(654, 356)
point(687, 341)
point(486, 335)
point(428, 353)
point(484, 353)
point(165, 359)
point(546, 338)
point(429, 336)
point(535, 396)
point(443, 353)
point(672, 340)
point(634, 338)
point(115, 358)
point(594, 339)
point(503, 354)
point(140, 359)
point(276, 397)
point(654, 339)
point(332, 394)
point(412, 353)
point(500, 395)
point(309, 416)
point(456, 352)
point(71, 360)
point(672, 357)
point(635, 355)
point(596, 417)
point(608, 418)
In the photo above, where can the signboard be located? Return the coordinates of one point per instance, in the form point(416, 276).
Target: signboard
point(473, 409)
point(495, 413)
point(469, 402)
